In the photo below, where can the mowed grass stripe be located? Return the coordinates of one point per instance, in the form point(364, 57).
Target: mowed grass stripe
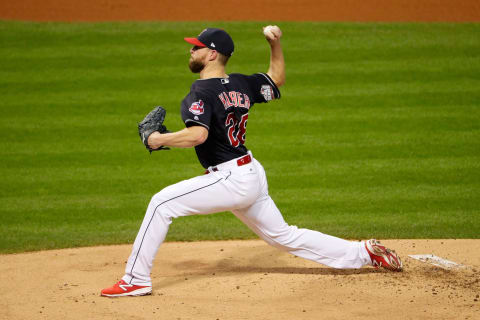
point(326, 87)
point(330, 72)
point(378, 126)
point(373, 113)
point(326, 104)
point(324, 147)
point(324, 195)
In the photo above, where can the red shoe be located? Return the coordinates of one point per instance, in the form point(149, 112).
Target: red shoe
point(383, 257)
point(121, 288)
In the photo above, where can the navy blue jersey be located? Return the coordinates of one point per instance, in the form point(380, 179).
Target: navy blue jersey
point(221, 105)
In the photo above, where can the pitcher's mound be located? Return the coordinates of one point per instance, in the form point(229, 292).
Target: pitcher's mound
point(241, 280)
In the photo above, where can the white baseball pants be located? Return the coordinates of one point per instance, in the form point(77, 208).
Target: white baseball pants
point(242, 190)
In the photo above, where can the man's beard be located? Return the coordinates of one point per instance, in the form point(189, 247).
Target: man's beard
point(196, 66)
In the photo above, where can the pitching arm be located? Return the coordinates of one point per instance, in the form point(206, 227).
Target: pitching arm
point(276, 70)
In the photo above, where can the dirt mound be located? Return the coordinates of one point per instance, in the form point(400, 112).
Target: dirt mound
point(241, 280)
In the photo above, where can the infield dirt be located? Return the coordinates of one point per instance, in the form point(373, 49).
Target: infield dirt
point(241, 280)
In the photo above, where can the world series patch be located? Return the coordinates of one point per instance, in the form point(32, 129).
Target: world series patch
point(267, 92)
point(197, 108)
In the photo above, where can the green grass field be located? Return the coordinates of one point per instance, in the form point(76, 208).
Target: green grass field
point(377, 133)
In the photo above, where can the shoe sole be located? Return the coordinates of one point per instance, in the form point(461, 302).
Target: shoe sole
point(135, 293)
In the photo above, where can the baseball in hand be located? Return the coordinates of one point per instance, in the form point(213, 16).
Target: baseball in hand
point(272, 33)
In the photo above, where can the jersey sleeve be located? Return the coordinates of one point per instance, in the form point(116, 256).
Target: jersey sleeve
point(263, 87)
point(196, 111)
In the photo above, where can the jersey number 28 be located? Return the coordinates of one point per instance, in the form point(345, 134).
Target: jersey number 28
point(236, 129)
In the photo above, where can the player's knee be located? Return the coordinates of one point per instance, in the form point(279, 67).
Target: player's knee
point(165, 205)
point(165, 195)
point(159, 201)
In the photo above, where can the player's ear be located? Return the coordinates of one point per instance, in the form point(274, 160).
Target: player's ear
point(213, 55)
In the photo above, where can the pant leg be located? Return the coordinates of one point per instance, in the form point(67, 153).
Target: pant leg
point(264, 218)
point(215, 192)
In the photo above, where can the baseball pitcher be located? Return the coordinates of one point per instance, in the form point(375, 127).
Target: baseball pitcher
point(215, 113)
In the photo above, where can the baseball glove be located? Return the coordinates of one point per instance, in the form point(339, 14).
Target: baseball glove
point(151, 123)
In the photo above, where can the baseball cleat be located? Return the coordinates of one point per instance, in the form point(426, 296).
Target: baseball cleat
point(121, 289)
point(383, 257)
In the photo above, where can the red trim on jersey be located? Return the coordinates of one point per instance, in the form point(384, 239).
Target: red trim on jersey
point(194, 41)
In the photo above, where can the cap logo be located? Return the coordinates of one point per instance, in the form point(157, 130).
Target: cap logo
point(212, 44)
